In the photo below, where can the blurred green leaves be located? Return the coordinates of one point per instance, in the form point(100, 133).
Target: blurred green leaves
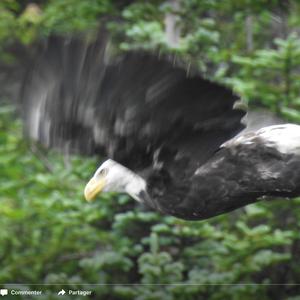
point(73, 15)
point(49, 234)
point(270, 77)
point(25, 23)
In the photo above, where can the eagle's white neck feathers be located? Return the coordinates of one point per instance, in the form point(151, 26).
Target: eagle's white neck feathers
point(120, 179)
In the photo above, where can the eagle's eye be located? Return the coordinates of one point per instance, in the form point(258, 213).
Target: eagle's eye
point(103, 172)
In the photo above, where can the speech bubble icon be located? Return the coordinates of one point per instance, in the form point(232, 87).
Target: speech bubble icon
point(3, 292)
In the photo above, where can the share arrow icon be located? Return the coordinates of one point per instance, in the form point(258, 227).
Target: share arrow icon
point(61, 293)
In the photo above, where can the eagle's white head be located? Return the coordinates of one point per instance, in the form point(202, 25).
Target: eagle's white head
point(113, 177)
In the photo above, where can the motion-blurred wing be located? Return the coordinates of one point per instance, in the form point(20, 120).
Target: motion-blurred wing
point(136, 108)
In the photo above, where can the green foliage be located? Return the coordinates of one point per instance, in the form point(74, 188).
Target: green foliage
point(25, 23)
point(73, 15)
point(143, 26)
point(49, 234)
point(271, 77)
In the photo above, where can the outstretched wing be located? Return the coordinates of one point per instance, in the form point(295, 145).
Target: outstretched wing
point(139, 109)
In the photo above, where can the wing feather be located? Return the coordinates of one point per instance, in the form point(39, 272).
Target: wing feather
point(133, 107)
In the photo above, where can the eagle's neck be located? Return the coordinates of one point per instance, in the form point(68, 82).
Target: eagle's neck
point(136, 187)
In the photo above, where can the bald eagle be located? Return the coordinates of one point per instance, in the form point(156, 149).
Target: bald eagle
point(174, 140)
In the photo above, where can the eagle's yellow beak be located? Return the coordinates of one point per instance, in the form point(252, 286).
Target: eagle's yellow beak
point(94, 187)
